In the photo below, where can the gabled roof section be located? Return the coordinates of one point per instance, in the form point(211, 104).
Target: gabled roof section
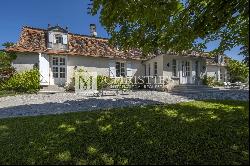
point(35, 40)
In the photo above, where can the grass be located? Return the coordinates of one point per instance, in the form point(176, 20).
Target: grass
point(200, 132)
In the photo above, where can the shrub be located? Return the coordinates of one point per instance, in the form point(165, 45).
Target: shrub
point(103, 81)
point(6, 70)
point(218, 83)
point(28, 81)
point(208, 80)
point(6, 73)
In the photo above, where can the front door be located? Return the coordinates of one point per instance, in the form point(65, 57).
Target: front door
point(185, 73)
point(59, 70)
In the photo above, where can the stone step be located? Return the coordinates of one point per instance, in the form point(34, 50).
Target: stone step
point(200, 90)
point(196, 91)
point(52, 89)
point(49, 92)
point(194, 88)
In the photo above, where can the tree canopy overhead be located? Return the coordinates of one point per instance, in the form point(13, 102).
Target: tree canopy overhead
point(175, 25)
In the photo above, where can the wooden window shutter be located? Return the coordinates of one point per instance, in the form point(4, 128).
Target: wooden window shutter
point(112, 70)
point(129, 69)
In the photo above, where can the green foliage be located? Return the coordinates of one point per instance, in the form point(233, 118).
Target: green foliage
point(192, 133)
point(7, 93)
point(238, 71)
point(8, 44)
point(208, 80)
point(218, 83)
point(28, 81)
point(174, 25)
point(6, 70)
point(103, 82)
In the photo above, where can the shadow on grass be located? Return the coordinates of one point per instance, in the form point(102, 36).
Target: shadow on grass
point(229, 94)
point(201, 132)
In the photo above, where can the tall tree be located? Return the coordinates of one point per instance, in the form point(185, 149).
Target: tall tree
point(11, 55)
point(6, 69)
point(238, 71)
point(245, 53)
point(8, 44)
point(175, 25)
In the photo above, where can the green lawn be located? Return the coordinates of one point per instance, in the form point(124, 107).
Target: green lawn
point(201, 132)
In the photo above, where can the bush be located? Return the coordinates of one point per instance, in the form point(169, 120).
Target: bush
point(218, 83)
point(208, 80)
point(6, 70)
point(6, 73)
point(28, 81)
point(103, 81)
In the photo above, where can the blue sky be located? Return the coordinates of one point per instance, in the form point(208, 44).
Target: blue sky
point(72, 13)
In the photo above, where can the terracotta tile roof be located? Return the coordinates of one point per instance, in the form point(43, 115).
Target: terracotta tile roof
point(212, 61)
point(35, 40)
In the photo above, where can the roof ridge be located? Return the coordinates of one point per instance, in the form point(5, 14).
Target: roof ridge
point(29, 27)
point(88, 36)
point(92, 37)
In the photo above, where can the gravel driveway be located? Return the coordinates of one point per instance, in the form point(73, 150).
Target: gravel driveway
point(41, 104)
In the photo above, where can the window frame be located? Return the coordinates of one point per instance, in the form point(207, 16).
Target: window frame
point(59, 67)
point(174, 68)
point(155, 69)
point(221, 75)
point(188, 68)
point(149, 69)
point(59, 39)
point(120, 69)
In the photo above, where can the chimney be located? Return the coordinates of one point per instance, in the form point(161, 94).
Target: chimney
point(93, 30)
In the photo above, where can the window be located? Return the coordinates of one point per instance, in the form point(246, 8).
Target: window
point(58, 69)
point(55, 60)
point(62, 72)
point(62, 61)
point(59, 39)
point(187, 68)
point(120, 69)
point(196, 68)
point(155, 69)
point(55, 72)
point(221, 75)
point(149, 69)
point(174, 68)
point(183, 69)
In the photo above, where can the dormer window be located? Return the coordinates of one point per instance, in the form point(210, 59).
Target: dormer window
point(59, 39)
